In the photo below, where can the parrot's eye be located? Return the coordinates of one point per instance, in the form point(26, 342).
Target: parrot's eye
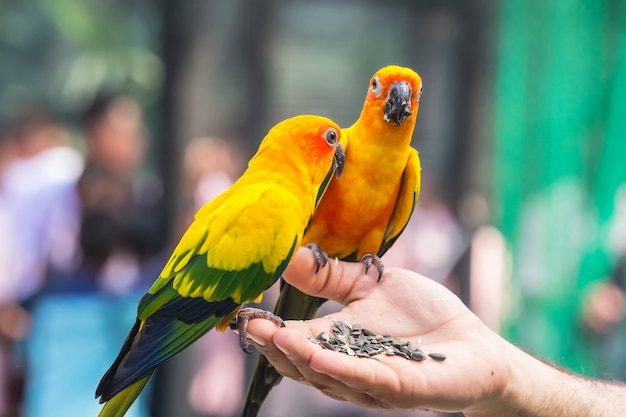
point(377, 87)
point(419, 94)
point(331, 136)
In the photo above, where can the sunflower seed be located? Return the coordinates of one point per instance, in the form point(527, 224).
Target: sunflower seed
point(418, 355)
point(437, 356)
point(354, 340)
point(367, 332)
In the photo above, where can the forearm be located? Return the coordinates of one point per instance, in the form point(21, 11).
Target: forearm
point(536, 389)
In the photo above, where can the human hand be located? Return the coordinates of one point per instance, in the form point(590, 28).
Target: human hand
point(405, 305)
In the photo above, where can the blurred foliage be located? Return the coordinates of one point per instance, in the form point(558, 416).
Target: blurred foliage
point(65, 52)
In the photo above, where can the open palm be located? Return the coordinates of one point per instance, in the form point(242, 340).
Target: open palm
point(406, 305)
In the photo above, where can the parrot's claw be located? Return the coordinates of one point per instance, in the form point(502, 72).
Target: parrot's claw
point(321, 257)
point(244, 315)
point(370, 259)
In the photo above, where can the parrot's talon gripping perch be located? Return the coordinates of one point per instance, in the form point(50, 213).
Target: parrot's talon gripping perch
point(244, 315)
point(370, 259)
point(321, 257)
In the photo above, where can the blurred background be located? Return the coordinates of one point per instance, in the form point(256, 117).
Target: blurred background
point(118, 119)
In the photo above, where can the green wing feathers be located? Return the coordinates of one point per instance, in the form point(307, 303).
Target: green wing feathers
point(221, 262)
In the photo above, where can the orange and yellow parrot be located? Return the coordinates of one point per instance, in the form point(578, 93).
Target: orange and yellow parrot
point(237, 246)
point(362, 214)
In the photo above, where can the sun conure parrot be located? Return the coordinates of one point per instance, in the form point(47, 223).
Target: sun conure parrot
point(362, 214)
point(237, 246)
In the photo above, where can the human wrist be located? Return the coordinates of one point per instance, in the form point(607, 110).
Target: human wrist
point(537, 389)
point(528, 386)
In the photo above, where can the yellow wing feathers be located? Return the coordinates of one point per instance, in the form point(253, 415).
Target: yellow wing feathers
point(235, 235)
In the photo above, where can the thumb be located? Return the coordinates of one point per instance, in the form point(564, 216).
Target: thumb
point(337, 280)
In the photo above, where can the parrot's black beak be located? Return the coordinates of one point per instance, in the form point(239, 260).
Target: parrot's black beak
point(339, 161)
point(398, 104)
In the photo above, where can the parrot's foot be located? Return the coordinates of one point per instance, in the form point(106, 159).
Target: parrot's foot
point(321, 257)
point(370, 259)
point(244, 315)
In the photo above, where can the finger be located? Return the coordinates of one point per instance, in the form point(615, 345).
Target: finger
point(349, 377)
point(356, 398)
point(337, 280)
point(300, 352)
point(261, 332)
point(367, 376)
point(385, 381)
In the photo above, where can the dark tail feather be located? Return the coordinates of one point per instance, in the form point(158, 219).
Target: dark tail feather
point(292, 304)
point(263, 380)
point(108, 387)
point(251, 409)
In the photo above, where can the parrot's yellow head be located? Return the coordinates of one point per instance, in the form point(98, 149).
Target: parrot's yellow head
point(309, 142)
point(394, 94)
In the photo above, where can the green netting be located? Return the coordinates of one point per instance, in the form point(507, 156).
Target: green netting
point(559, 160)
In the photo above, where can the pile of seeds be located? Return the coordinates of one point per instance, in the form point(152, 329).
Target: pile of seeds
point(354, 340)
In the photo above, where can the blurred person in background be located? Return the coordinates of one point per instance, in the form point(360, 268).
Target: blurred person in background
point(38, 213)
point(604, 302)
point(119, 226)
point(37, 190)
point(80, 315)
point(603, 319)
